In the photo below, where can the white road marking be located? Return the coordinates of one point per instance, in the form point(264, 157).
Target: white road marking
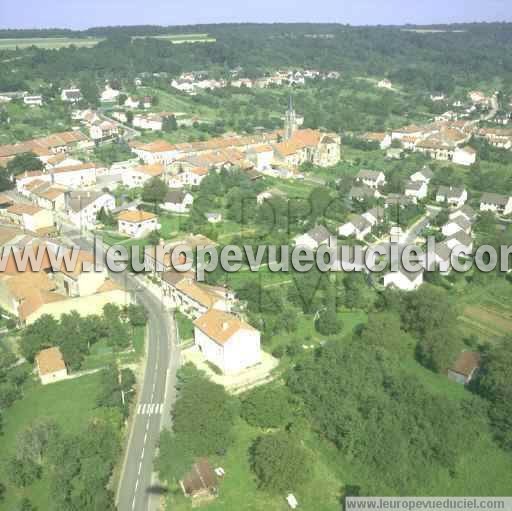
point(150, 409)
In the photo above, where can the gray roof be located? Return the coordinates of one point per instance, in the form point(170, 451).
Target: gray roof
point(359, 222)
point(466, 211)
point(450, 192)
point(443, 251)
point(426, 172)
point(361, 192)
point(461, 238)
point(368, 174)
point(78, 200)
point(414, 185)
point(376, 212)
point(395, 198)
point(461, 221)
point(319, 233)
point(175, 195)
point(494, 198)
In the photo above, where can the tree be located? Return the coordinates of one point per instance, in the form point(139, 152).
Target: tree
point(23, 473)
point(24, 162)
point(495, 384)
point(169, 124)
point(154, 191)
point(43, 333)
point(280, 463)
point(2, 491)
point(266, 407)
point(362, 399)
point(25, 505)
point(137, 315)
point(106, 217)
point(90, 91)
point(327, 322)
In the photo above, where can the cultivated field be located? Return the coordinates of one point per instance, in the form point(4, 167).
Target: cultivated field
point(64, 42)
point(48, 42)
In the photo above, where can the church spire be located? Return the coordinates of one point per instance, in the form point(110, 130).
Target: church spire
point(290, 119)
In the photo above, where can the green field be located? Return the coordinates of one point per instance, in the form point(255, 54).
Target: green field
point(70, 403)
point(50, 43)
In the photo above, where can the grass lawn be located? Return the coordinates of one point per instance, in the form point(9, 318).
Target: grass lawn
point(185, 327)
point(101, 354)
point(171, 225)
point(486, 308)
point(239, 489)
point(70, 403)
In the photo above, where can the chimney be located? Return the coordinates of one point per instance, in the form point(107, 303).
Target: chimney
point(225, 325)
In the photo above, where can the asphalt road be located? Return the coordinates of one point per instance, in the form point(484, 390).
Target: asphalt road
point(139, 489)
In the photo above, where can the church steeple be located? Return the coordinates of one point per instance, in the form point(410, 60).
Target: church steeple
point(290, 120)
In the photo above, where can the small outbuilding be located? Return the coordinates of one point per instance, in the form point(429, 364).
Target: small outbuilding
point(200, 484)
point(465, 367)
point(50, 366)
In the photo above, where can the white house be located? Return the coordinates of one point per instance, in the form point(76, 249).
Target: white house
point(496, 203)
point(453, 196)
point(137, 224)
point(82, 207)
point(135, 177)
point(192, 176)
point(261, 156)
point(357, 226)
point(152, 122)
point(50, 366)
point(214, 217)
point(73, 95)
point(424, 175)
point(108, 95)
point(33, 100)
point(315, 237)
point(416, 189)
point(466, 211)
point(460, 239)
point(48, 196)
point(385, 84)
point(371, 178)
point(227, 342)
point(177, 200)
point(456, 225)
point(404, 280)
point(101, 130)
point(374, 216)
point(30, 216)
point(75, 176)
point(464, 156)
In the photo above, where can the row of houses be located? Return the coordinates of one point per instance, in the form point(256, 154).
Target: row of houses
point(29, 294)
point(45, 148)
point(192, 83)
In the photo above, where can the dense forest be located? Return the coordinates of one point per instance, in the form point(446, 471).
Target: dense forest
point(433, 61)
